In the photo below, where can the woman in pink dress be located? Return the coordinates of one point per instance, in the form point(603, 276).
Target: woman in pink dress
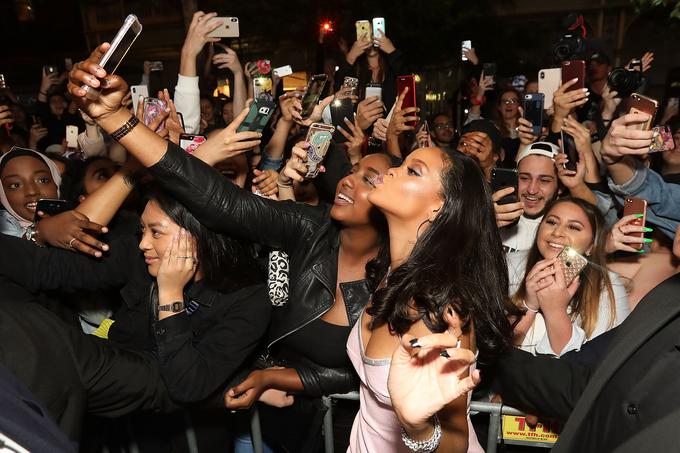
point(448, 276)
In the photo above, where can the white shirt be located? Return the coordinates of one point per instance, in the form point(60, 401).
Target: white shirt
point(537, 341)
point(521, 235)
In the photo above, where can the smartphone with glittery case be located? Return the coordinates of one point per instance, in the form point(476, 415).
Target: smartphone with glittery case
point(319, 138)
point(572, 264)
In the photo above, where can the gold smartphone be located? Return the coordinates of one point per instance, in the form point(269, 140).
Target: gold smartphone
point(364, 30)
point(572, 264)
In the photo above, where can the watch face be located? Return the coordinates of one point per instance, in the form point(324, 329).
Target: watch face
point(177, 306)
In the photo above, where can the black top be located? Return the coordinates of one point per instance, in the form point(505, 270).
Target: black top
point(199, 351)
point(321, 342)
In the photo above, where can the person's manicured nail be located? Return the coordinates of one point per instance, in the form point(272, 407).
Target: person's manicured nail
point(648, 230)
point(445, 354)
point(647, 240)
point(414, 343)
point(639, 216)
point(642, 251)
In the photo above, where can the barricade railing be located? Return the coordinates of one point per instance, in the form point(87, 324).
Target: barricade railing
point(495, 411)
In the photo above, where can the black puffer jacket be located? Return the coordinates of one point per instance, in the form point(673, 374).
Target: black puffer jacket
point(307, 233)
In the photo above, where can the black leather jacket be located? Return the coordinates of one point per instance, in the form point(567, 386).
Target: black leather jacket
point(307, 233)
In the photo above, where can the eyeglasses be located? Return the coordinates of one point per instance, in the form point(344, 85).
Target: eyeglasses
point(443, 126)
point(510, 101)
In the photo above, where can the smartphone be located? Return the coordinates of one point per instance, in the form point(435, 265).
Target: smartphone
point(152, 109)
point(52, 206)
point(351, 86)
point(319, 138)
point(37, 120)
point(228, 29)
point(135, 92)
point(643, 104)
point(502, 178)
point(50, 69)
point(410, 98)
point(662, 140)
point(341, 109)
point(672, 102)
point(549, 81)
point(425, 127)
point(533, 111)
point(465, 45)
point(68, 64)
point(490, 70)
point(120, 45)
point(3, 83)
point(574, 69)
point(260, 112)
point(262, 88)
point(572, 264)
point(378, 25)
point(569, 148)
point(189, 142)
point(631, 206)
point(373, 90)
point(363, 30)
point(283, 71)
point(313, 93)
point(156, 66)
point(72, 136)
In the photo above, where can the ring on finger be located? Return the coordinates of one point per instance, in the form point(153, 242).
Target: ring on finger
point(70, 243)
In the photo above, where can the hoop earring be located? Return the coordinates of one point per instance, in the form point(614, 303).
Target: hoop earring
point(420, 226)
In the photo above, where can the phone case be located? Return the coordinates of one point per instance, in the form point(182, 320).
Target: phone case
point(569, 148)
point(490, 69)
point(313, 93)
point(52, 206)
point(135, 92)
point(502, 178)
point(260, 112)
point(152, 109)
point(228, 29)
point(662, 140)
point(262, 88)
point(319, 138)
point(283, 71)
point(189, 142)
point(572, 264)
point(410, 98)
point(120, 46)
point(467, 44)
point(574, 69)
point(352, 84)
point(363, 30)
point(549, 81)
point(378, 24)
point(341, 109)
point(631, 206)
point(643, 104)
point(533, 111)
point(72, 136)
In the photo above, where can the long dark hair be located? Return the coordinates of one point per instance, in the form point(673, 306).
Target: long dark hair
point(227, 264)
point(594, 278)
point(457, 262)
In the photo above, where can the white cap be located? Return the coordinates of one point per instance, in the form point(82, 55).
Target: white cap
point(546, 149)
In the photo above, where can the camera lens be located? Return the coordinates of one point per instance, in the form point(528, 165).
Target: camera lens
point(567, 263)
point(542, 75)
point(233, 19)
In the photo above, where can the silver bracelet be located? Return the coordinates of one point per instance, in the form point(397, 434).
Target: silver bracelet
point(424, 446)
point(535, 310)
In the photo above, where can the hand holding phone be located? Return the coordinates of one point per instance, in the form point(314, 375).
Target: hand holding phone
point(259, 114)
point(502, 178)
point(465, 47)
point(638, 207)
point(572, 263)
point(533, 111)
point(312, 95)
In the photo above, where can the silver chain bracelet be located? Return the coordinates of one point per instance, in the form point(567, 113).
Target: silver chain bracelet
point(424, 446)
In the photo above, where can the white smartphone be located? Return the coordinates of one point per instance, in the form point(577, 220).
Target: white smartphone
point(373, 90)
point(120, 45)
point(228, 29)
point(137, 91)
point(72, 137)
point(673, 102)
point(378, 25)
point(549, 81)
point(283, 71)
point(467, 44)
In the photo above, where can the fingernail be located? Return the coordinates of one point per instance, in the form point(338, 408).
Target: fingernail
point(458, 344)
point(639, 216)
point(642, 251)
point(445, 354)
point(648, 230)
point(414, 343)
point(647, 240)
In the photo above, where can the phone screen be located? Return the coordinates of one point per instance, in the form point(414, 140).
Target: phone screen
point(465, 45)
point(569, 148)
point(533, 111)
point(313, 94)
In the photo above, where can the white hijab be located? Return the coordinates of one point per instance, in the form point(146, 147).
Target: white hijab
point(18, 152)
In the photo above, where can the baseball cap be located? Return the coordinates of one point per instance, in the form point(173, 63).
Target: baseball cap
point(546, 149)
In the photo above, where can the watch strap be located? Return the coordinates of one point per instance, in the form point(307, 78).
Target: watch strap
point(174, 307)
point(125, 129)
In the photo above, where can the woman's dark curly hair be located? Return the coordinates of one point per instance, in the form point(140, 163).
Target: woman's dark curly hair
point(457, 262)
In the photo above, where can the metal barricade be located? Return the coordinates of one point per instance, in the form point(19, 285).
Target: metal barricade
point(495, 410)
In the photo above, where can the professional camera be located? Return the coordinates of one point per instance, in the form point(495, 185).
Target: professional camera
point(626, 81)
point(569, 46)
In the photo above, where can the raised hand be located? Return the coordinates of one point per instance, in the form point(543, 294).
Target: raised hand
point(6, 115)
point(621, 140)
point(296, 167)
point(400, 117)
point(368, 111)
point(197, 35)
point(71, 230)
point(265, 181)
point(178, 266)
point(565, 101)
point(506, 214)
point(355, 139)
point(228, 60)
point(316, 115)
point(383, 42)
point(360, 46)
point(621, 235)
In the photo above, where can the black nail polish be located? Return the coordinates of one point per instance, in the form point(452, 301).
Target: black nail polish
point(414, 343)
point(445, 354)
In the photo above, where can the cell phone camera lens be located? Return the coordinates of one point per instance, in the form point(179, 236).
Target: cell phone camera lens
point(233, 19)
point(567, 263)
point(542, 75)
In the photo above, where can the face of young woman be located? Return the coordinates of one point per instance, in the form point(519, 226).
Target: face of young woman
point(413, 190)
point(509, 106)
point(97, 173)
point(351, 205)
point(25, 181)
point(564, 225)
point(157, 233)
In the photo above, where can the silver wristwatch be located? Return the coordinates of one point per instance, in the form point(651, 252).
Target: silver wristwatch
point(424, 446)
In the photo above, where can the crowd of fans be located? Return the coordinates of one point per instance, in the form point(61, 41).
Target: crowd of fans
point(170, 291)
